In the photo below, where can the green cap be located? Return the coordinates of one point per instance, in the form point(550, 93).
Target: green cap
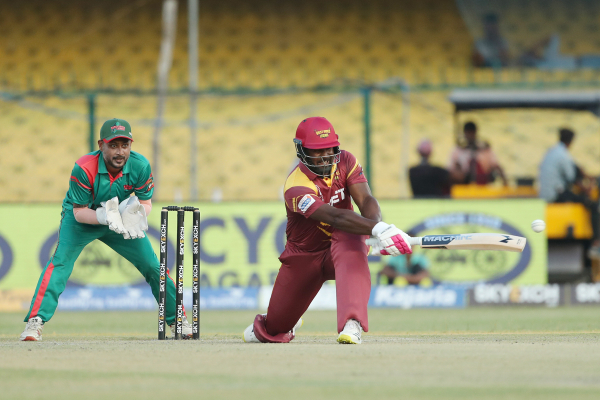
point(115, 128)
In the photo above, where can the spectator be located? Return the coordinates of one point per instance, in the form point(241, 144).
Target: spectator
point(428, 180)
point(475, 162)
point(559, 175)
point(412, 267)
point(492, 49)
point(546, 55)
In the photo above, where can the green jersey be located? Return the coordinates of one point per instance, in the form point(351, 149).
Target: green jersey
point(91, 183)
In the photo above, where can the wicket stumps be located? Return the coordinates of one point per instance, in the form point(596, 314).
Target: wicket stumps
point(164, 222)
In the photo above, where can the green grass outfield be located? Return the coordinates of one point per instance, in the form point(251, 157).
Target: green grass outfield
point(485, 353)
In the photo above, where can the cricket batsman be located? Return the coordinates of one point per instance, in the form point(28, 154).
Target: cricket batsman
point(99, 205)
point(325, 239)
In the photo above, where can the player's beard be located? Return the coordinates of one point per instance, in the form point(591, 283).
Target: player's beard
point(323, 170)
point(114, 164)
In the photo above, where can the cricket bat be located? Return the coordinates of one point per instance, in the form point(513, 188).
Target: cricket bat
point(471, 241)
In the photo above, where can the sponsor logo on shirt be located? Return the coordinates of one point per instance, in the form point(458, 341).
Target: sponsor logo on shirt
point(336, 198)
point(128, 187)
point(306, 202)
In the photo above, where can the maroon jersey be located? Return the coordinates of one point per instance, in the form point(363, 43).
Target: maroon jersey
point(305, 192)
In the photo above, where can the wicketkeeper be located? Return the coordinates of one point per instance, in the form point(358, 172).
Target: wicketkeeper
point(99, 205)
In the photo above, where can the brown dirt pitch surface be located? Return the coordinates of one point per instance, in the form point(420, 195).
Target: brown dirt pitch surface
point(490, 353)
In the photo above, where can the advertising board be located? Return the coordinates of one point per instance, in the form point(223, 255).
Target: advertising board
point(240, 244)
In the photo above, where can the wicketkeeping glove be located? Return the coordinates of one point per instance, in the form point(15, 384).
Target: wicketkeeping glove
point(389, 240)
point(108, 214)
point(134, 218)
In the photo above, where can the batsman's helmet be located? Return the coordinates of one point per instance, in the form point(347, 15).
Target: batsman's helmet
point(317, 133)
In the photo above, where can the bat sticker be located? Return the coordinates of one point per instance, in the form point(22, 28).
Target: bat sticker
point(507, 238)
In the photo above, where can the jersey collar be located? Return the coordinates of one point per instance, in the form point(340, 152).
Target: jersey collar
point(312, 176)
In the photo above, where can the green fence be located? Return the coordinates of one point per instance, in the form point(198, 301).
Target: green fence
point(244, 138)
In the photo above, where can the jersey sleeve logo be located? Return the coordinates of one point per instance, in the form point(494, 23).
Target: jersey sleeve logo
point(305, 203)
point(149, 184)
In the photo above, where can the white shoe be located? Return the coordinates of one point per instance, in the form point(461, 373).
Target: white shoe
point(250, 337)
point(33, 330)
point(298, 325)
point(351, 333)
point(186, 329)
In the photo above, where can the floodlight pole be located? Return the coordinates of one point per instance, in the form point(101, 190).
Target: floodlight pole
point(169, 26)
point(91, 98)
point(193, 15)
point(404, 154)
point(367, 122)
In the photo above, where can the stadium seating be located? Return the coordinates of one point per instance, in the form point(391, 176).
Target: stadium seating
point(255, 44)
point(526, 22)
point(71, 45)
point(251, 44)
point(521, 137)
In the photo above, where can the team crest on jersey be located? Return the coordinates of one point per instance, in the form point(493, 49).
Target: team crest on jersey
point(323, 133)
point(305, 203)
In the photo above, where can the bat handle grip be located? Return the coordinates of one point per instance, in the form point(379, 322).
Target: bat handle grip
point(415, 241)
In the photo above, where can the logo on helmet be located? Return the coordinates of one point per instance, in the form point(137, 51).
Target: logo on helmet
point(323, 133)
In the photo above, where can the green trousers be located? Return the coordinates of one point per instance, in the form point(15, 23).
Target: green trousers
point(72, 238)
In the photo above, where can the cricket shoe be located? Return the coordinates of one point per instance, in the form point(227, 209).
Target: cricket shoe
point(298, 325)
point(351, 333)
point(186, 329)
point(250, 337)
point(33, 330)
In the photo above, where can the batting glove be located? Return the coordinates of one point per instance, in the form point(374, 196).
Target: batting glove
point(108, 214)
point(375, 245)
point(391, 240)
